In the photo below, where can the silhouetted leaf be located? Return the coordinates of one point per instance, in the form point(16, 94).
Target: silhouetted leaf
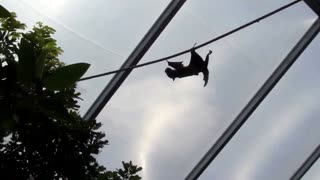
point(40, 64)
point(139, 169)
point(4, 13)
point(26, 60)
point(6, 119)
point(65, 76)
point(136, 177)
point(46, 136)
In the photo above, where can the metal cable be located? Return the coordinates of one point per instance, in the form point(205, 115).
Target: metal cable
point(196, 47)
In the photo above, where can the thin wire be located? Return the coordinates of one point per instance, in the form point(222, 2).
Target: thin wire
point(196, 47)
point(210, 31)
point(67, 28)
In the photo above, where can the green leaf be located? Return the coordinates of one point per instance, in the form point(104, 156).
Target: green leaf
point(40, 64)
point(55, 110)
point(6, 117)
point(136, 177)
point(27, 61)
point(4, 13)
point(65, 76)
point(139, 169)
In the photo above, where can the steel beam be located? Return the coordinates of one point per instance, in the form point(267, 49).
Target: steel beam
point(134, 58)
point(314, 5)
point(307, 164)
point(255, 101)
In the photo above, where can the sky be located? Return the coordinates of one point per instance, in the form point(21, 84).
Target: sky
point(166, 126)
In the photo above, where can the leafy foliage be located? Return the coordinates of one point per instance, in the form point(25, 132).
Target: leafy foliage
point(42, 135)
point(128, 172)
point(3, 12)
point(58, 80)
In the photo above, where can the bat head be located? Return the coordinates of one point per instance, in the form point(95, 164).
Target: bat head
point(170, 73)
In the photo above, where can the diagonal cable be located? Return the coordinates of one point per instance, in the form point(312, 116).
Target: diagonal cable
point(70, 30)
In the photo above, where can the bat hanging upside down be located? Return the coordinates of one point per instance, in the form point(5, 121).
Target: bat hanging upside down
point(196, 65)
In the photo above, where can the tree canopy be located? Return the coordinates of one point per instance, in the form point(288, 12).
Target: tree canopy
point(42, 135)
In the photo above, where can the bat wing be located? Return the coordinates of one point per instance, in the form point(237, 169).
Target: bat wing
point(175, 65)
point(196, 60)
point(205, 77)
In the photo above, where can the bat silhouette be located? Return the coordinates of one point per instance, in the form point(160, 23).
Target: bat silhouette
point(196, 65)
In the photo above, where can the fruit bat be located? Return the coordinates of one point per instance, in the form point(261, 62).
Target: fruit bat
point(196, 65)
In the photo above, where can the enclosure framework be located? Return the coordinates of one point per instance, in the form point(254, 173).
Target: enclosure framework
point(149, 39)
point(255, 101)
point(134, 58)
point(314, 5)
point(307, 164)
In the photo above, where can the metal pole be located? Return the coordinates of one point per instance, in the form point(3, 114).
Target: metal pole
point(134, 58)
point(307, 164)
point(314, 5)
point(255, 101)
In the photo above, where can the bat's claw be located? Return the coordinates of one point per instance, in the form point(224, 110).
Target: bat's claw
point(194, 45)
